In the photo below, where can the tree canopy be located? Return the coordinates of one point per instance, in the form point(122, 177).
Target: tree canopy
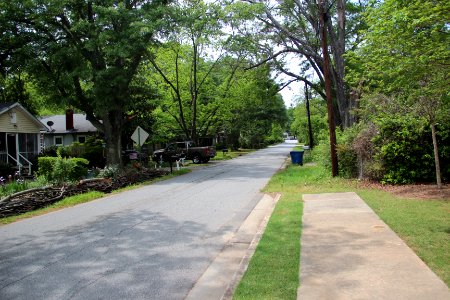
point(84, 54)
point(404, 58)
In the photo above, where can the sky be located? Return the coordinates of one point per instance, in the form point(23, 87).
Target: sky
point(291, 92)
point(296, 88)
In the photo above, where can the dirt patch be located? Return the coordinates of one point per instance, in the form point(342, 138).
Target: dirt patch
point(413, 191)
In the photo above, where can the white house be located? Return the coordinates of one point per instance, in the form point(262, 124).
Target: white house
point(67, 129)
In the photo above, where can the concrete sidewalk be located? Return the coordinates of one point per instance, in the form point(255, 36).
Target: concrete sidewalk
point(349, 253)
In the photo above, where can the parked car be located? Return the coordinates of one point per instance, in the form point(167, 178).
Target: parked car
point(187, 150)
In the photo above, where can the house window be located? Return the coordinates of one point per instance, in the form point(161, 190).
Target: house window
point(58, 140)
point(28, 142)
point(13, 117)
point(81, 139)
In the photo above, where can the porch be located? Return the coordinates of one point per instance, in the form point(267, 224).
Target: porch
point(19, 149)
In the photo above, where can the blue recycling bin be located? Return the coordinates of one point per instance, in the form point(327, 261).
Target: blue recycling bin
point(297, 157)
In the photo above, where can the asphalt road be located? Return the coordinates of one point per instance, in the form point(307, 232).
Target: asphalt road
point(149, 243)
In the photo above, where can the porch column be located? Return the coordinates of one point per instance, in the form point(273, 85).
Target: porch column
point(17, 150)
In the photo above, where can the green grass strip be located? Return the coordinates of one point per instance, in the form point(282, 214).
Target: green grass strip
point(273, 273)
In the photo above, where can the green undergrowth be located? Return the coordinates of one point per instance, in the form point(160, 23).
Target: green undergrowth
point(273, 272)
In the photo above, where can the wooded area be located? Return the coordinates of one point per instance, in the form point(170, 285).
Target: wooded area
point(193, 69)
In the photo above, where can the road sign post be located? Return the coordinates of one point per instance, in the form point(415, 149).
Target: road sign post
point(139, 136)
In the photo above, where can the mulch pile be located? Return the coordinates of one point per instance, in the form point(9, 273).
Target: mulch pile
point(33, 199)
point(412, 191)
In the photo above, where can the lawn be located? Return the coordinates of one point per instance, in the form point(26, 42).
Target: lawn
point(273, 272)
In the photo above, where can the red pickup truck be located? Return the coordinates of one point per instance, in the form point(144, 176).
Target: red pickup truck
point(186, 149)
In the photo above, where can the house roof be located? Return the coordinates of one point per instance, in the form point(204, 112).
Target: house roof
point(5, 107)
point(80, 124)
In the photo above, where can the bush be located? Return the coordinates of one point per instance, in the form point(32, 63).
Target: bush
point(80, 169)
point(321, 152)
point(93, 152)
point(347, 157)
point(50, 151)
point(110, 172)
point(394, 140)
point(276, 135)
point(60, 169)
point(45, 167)
point(365, 150)
point(405, 149)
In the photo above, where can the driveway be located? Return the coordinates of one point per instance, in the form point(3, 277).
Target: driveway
point(149, 243)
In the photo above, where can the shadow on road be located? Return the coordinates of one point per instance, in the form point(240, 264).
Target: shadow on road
point(99, 259)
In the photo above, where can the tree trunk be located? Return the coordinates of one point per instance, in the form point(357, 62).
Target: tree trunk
point(310, 132)
point(326, 72)
point(194, 93)
point(436, 156)
point(337, 43)
point(360, 166)
point(113, 128)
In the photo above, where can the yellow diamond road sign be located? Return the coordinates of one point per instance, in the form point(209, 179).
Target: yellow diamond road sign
point(139, 136)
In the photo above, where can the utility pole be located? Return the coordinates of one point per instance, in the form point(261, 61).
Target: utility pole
point(308, 114)
point(323, 17)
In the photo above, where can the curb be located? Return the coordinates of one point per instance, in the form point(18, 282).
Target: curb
point(223, 275)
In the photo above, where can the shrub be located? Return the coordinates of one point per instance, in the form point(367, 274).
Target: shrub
point(93, 152)
point(347, 157)
point(394, 142)
point(45, 167)
point(80, 169)
point(321, 152)
point(50, 151)
point(276, 135)
point(365, 150)
point(347, 161)
point(112, 171)
point(60, 169)
point(405, 149)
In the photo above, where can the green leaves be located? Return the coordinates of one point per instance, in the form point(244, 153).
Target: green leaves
point(404, 56)
point(405, 42)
